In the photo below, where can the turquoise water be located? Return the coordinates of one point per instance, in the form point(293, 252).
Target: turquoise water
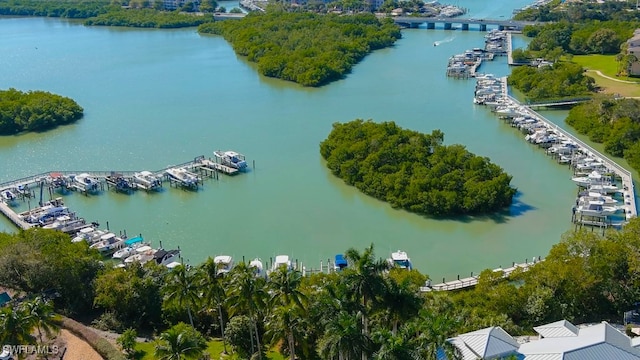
point(154, 98)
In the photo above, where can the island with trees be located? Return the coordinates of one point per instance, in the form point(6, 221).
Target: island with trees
point(307, 48)
point(35, 111)
point(415, 171)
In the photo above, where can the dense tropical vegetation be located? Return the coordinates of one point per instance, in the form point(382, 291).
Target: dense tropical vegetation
point(306, 48)
point(415, 171)
point(35, 111)
point(148, 18)
point(613, 122)
point(573, 11)
point(73, 9)
point(560, 80)
point(134, 13)
point(365, 311)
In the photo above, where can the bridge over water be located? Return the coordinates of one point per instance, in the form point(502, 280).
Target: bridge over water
point(447, 23)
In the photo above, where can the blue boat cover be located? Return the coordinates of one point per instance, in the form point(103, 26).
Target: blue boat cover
point(340, 261)
point(134, 240)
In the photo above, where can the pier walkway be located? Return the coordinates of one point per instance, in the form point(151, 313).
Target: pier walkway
point(15, 218)
point(628, 189)
point(473, 280)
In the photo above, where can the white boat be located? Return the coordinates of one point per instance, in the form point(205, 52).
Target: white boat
point(108, 242)
point(88, 234)
point(401, 260)
point(224, 263)
point(231, 159)
point(282, 261)
point(184, 177)
point(45, 214)
point(604, 188)
point(143, 255)
point(166, 257)
point(258, 268)
point(130, 247)
point(594, 208)
point(66, 223)
point(85, 182)
point(594, 178)
point(595, 196)
point(146, 180)
point(7, 195)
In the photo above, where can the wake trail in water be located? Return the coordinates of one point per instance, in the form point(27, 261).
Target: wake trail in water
point(447, 40)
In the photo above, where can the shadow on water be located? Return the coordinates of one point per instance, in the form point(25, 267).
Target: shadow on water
point(517, 207)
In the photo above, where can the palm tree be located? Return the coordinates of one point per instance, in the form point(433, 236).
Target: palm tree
point(15, 326)
point(364, 280)
point(435, 329)
point(395, 346)
point(42, 316)
point(180, 342)
point(246, 295)
point(400, 301)
point(343, 338)
point(288, 306)
point(285, 323)
point(212, 291)
point(181, 287)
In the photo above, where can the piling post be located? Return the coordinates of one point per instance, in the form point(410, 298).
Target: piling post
point(107, 226)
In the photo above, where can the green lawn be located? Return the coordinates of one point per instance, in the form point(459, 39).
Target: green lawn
point(214, 348)
point(607, 64)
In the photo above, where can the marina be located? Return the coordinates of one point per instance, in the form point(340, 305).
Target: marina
point(567, 149)
point(285, 206)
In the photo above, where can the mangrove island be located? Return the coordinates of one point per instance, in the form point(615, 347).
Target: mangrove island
point(415, 171)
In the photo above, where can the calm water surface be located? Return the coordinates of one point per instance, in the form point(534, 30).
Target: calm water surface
point(155, 98)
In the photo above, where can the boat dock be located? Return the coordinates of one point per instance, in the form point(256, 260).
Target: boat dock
point(209, 165)
point(628, 189)
point(473, 279)
point(13, 217)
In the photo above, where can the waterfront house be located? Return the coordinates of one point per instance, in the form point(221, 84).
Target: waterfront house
point(560, 340)
point(633, 48)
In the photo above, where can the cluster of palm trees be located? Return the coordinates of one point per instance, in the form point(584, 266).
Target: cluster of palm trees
point(19, 321)
point(366, 311)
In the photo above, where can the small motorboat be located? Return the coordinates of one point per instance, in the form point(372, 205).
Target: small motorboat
point(7, 195)
point(258, 268)
point(340, 263)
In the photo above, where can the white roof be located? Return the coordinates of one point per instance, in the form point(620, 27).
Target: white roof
point(597, 342)
point(560, 328)
point(487, 343)
point(282, 259)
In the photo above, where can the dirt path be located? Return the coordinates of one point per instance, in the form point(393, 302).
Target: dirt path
point(77, 349)
point(612, 78)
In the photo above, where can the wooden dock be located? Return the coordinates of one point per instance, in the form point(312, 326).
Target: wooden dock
point(14, 217)
point(473, 280)
point(212, 165)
